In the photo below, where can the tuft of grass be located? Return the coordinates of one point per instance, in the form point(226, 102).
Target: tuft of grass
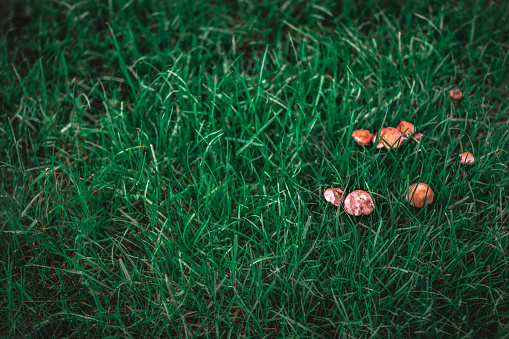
point(163, 166)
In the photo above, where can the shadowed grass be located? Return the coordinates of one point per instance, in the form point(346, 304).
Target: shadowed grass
point(163, 167)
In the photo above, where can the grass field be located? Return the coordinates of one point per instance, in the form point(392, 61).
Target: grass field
point(163, 165)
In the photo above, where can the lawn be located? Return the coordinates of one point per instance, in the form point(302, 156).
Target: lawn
point(163, 167)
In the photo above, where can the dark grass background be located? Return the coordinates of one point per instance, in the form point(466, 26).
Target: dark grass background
point(163, 166)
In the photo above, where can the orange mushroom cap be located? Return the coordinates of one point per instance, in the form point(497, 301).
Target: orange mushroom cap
point(467, 158)
point(363, 137)
point(407, 128)
point(390, 137)
point(419, 194)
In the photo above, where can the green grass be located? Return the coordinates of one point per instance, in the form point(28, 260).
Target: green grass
point(163, 165)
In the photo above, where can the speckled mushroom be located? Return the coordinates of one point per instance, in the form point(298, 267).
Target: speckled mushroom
point(389, 137)
point(419, 194)
point(363, 137)
point(358, 202)
point(466, 158)
point(334, 196)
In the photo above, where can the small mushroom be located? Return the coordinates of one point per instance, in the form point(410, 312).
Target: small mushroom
point(456, 94)
point(358, 202)
point(467, 158)
point(419, 194)
point(334, 196)
point(407, 128)
point(363, 137)
point(389, 137)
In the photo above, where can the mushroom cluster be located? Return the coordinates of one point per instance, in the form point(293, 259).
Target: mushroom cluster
point(388, 137)
point(356, 203)
point(418, 194)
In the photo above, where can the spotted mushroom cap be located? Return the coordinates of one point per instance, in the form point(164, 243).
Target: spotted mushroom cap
point(334, 196)
point(456, 94)
point(419, 194)
point(467, 158)
point(390, 137)
point(358, 202)
point(363, 137)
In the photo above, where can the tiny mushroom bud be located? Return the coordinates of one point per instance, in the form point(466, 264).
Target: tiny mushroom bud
point(419, 194)
point(455, 94)
point(467, 158)
point(334, 196)
point(358, 202)
point(363, 137)
point(407, 128)
point(389, 137)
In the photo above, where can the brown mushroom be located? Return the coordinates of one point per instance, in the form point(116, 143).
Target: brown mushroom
point(407, 128)
point(467, 158)
point(456, 94)
point(358, 202)
point(334, 196)
point(389, 137)
point(363, 137)
point(419, 194)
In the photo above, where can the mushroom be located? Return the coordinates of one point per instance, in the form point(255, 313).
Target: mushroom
point(334, 196)
point(389, 137)
point(363, 137)
point(467, 158)
point(407, 128)
point(456, 94)
point(358, 202)
point(419, 194)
